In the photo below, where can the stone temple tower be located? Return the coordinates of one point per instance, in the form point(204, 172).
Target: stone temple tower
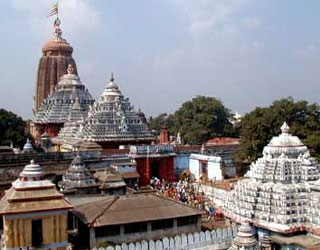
point(56, 56)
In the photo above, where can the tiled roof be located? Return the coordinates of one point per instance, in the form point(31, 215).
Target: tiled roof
point(117, 210)
point(31, 192)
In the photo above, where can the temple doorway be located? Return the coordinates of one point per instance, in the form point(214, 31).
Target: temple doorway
point(37, 233)
point(203, 170)
point(155, 165)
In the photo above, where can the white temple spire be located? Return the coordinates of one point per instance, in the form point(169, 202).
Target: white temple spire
point(285, 128)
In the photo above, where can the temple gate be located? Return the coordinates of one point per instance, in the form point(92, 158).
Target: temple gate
point(154, 161)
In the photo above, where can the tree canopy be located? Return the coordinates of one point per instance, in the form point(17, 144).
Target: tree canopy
point(197, 120)
point(12, 129)
point(260, 125)
point(156, 123)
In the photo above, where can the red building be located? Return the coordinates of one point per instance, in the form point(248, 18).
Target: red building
point(164, 136)
point(154, 161)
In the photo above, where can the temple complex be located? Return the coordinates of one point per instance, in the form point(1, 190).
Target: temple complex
point(280, 194)
point(112, 121)
point(56, 56)
point(34, 213)
point(69, 96)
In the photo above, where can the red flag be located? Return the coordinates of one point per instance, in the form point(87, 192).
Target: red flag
point(53, 10)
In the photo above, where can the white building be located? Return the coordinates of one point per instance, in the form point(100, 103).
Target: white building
point(281, 191)
point(207, 167)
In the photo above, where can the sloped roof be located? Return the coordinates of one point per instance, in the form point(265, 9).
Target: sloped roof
point(32, 200)
point(117, 210)
point(32, 193)
point(69, 94)
point(112, 118)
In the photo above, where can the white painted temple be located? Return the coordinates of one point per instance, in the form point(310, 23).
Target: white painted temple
point(281, 191)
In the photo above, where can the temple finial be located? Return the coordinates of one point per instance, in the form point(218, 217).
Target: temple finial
point(70, 69)
point(285, 128)
point(57, 32)
point(111, 77)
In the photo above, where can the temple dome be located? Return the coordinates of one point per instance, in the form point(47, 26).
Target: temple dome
point(56, 108)
point(28, 148)
point(111, 90)
point(285, 159)
point(31, 176)
point(32, 171)
point(70, 80)
point(285, 144)
point(57, 43)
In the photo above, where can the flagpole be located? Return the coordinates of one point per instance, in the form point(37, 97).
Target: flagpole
point(57, 9)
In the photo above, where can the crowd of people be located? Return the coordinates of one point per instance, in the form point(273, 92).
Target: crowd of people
point(185, 192)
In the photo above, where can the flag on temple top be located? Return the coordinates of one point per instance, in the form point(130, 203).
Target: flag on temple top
point(53, 10)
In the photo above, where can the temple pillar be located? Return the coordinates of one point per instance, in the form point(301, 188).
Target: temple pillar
point(92, 237)
point(143, 168)
point(162, 168)
point(170, 175)
point(149, 230)
point(148, 170)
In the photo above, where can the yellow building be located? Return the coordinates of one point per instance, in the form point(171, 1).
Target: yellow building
point(34, 213)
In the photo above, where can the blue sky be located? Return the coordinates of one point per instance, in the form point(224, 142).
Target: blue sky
point(163, 52)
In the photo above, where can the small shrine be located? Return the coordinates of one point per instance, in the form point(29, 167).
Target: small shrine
point(28, 148)
point(245, 239)
point(34, 213)
point(78, 179)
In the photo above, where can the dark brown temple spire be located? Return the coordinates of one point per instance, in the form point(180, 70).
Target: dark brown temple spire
point(56, 56)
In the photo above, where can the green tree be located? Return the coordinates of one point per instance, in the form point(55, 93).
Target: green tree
point(156, 123)
point(202, 118)
point(12, 129)
point(260, 125)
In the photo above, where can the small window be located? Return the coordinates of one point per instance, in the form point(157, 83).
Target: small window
point(135, 228)
point(161, 224)
point(184, 221)
point(107, 231)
